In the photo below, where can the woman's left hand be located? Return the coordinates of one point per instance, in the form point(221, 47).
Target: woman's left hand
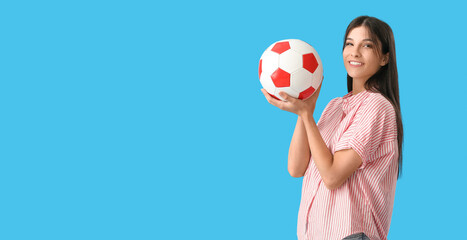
point(294, 105)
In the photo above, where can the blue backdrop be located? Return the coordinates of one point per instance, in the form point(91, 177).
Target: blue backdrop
point(145, 119)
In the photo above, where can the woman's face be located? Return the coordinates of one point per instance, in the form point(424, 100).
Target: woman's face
point(362, 59)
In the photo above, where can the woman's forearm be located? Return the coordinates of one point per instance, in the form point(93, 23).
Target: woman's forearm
point(299, 151)
point(322, 156)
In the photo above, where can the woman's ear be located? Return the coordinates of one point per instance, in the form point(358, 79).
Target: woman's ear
point(384, 60)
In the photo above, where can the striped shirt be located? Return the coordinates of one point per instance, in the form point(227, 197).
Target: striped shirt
point(365, 122)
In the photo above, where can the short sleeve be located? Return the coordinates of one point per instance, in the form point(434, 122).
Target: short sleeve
point(374, 124)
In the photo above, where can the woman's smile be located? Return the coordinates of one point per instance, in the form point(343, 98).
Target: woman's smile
point(355, 63)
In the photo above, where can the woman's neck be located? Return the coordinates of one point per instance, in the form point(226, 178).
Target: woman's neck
point(358, 86)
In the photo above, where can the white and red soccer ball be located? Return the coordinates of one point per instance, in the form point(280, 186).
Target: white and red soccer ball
point(292, 66)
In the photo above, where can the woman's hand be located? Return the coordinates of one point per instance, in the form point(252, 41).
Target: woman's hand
point(294, 105)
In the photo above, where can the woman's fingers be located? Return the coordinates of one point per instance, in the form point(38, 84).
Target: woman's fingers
point(285, 96)
point(290, 104)
point(317, 91)
point(314, 97)
point(270, 99)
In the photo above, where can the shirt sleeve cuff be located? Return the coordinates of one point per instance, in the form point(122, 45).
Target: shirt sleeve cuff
point(357, 147)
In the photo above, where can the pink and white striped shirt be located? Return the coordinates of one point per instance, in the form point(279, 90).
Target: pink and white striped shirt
point(365, 122)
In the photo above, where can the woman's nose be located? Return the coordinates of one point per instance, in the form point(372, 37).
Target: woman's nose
point(355, 52)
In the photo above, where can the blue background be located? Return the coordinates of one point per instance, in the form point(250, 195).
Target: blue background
point(145, 120)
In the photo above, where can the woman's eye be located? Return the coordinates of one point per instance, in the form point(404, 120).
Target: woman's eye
point(368, 45)
point(348, 44)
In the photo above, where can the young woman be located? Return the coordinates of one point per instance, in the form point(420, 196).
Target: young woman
point(352, 158)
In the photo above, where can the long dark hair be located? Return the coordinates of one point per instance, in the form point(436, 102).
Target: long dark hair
point(385, 81)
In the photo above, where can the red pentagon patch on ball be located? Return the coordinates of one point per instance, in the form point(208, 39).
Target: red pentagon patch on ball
point(309, 62)
point(281, 47)
point(305, 94)
point(260, 66)
point(280, 78)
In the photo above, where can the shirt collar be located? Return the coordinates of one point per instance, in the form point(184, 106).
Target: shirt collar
point(350, 100)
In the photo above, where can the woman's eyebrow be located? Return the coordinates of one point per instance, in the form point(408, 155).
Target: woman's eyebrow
point(366, 39)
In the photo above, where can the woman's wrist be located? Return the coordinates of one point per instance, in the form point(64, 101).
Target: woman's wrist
point(307, 114)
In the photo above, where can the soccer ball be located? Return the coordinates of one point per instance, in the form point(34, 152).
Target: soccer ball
point(292, 66)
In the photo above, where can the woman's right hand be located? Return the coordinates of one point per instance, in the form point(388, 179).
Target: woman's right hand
point(294, 105)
